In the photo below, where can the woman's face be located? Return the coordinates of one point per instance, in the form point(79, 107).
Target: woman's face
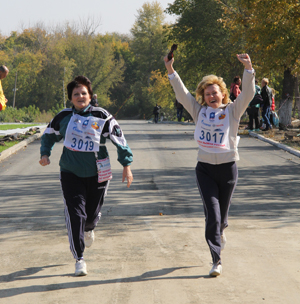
point(80, 97)
point(213, 96)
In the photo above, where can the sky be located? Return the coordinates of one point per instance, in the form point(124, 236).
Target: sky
point(114, 15)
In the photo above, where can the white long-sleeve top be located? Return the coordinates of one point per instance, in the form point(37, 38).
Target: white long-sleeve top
point(235, 109)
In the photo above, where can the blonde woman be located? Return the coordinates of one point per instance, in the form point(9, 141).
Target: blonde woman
point(217, 120)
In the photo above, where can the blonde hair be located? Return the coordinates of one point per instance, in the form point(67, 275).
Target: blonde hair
point(210, 80)
point(266, 81)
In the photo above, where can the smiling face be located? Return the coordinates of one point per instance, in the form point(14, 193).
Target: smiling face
point(213, 96)
point(80, 97)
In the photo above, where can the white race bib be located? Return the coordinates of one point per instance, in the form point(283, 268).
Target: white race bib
point(104, 170)
point(212, 130)
point(83, 133)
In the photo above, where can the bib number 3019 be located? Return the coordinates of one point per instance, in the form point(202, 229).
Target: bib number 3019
point(82, 145)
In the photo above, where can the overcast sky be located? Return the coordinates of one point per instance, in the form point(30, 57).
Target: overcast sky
point(115, 15)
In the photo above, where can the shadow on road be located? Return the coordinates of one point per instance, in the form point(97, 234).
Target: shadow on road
point(160, 274)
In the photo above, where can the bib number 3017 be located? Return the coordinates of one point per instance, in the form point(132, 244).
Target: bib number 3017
point(216, 137)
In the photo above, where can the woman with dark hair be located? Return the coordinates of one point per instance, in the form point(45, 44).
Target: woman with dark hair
point(85, 169)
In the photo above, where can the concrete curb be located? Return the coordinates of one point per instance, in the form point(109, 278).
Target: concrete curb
point(270, 141)
point(23, 144)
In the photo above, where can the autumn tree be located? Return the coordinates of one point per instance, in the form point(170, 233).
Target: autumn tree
point(271, 31)
point(204, 45)
point(149, 47)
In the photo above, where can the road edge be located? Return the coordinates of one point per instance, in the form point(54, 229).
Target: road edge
point(270, 141)
point(23, 144)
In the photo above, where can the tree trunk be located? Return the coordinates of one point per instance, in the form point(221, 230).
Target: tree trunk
point(297, 97)
point(286, 103)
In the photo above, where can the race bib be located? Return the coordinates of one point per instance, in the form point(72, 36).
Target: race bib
point(83, 133)
point(104, 170)
point(212, 130)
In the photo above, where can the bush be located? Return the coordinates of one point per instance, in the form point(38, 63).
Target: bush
point(28, 114)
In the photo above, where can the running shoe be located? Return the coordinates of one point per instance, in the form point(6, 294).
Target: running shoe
point(216, 270)
point(80, 268)
point(89, 237)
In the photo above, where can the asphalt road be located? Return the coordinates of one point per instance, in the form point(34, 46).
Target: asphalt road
point(150, 245)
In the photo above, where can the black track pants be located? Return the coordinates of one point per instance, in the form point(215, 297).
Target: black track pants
point(216, 185)
point(83, 199)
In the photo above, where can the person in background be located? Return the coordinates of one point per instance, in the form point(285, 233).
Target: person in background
point(266, 95)
point(156, 111)
point(94, 101)
point(85, 169)
point(217, 121)
point(3, 73)
point(272, 108)
point(253, 109)
point(179, 108)
point(235, 88)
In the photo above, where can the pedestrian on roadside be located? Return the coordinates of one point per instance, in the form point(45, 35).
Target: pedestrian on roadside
point(85, 169)
point(235, 88)
point(179, 108)
point(3, 73)
point(217, 120)
point(253, 109)
point(156, 111)
point(94, 101)
point(266, 95)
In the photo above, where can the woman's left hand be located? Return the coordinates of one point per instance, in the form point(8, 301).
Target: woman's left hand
point(245, 60)
point(128, 175)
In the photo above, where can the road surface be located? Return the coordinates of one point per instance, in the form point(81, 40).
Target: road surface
point(150, 245)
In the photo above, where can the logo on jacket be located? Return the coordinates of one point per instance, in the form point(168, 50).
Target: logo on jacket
point(95, 126)
point(212, 116)
point(85, 124)
point(222, 116)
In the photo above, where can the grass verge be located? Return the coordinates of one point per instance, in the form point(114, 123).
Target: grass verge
point(4, 127)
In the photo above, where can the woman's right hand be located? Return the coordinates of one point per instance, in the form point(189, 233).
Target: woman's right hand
point(169, 65)
point(44, 161)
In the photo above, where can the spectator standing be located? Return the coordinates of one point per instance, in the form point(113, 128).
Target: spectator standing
point(253, 108)
point(179, 108)
point(156, 111)
point(94, 101)
point(3, 73)
point(235, 88)
point(266, 95)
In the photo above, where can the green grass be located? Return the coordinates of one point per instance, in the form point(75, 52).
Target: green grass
point(16, 126)
point(8, 145)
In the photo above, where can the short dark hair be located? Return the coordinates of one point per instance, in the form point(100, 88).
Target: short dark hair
point(236, 78)
point(77, 82)
point(3, 69)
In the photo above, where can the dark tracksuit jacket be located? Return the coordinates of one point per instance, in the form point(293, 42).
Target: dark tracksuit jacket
point(83, 195)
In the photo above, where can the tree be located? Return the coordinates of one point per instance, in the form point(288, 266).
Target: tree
point(271, 31)
point(204, 45)
point(149, 46)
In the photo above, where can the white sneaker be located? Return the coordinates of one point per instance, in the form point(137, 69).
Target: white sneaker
point(89, 237)
point(216, 270)
point(80, 268)
point(223, 241)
